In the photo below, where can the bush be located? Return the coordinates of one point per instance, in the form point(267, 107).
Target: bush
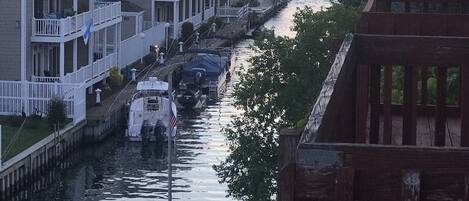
point(56, 113)
point(115, 76)
point(187, 30)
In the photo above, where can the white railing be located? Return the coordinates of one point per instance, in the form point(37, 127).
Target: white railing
point(196, 19)
point(73, 24)
point(233, 12)
point(44, 79)
point(209, 12)
point(86, 73)
point(34, 97)
point(135, 47)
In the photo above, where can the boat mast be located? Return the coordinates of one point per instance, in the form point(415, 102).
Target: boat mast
point(170, 167)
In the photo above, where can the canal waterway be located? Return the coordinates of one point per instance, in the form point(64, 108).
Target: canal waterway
point(120, 170)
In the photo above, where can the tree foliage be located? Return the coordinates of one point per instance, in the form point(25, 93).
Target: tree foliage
point(278, 91)
point(56, 113)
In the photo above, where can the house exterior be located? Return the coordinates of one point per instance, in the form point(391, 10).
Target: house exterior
point(44, 53)
point(359, 142)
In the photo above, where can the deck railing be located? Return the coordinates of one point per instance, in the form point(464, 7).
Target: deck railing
point(233, 12)
point(73, 24)
point(87, 73)
point(34, 98)
point(209, 12)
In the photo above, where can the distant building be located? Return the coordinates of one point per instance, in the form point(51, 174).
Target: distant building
point(362, 144)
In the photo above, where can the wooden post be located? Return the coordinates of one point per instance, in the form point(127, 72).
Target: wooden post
point(1, 163)
point(361, 108)
point(464, 106)
point(424, 87)
point(466, 189)
point(344, 184)
point(387, 103)
point(375, 103)
point(410, 185)
point(288, 141)
point(440, 120)
point(409, 128)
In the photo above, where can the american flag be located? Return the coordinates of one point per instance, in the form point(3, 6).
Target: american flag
point(172, 120)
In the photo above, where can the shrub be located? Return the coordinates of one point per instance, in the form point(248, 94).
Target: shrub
point(187, 30)
point(56, 113)
point(15, 121)
point(115, 76)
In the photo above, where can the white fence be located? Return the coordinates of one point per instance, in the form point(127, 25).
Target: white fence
point(34, 98)
point(233, 12)
point(135, 47)
point(209, 12)
point(74, 24)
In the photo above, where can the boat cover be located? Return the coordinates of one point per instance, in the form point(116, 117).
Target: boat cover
point(212, 65)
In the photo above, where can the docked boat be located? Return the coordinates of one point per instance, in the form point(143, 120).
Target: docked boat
point(204, 77)
point(149, 116)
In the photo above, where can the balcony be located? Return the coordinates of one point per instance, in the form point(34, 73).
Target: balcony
point(88, 75)
point(65, 29)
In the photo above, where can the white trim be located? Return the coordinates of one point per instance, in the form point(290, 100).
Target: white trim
point(132, 14)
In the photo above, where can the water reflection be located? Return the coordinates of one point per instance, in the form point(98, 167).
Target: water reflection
point(121, 170)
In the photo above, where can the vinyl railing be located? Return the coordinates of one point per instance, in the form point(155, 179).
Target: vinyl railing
point(73, 24)
point(87, 73)
point(209, 12)
point(44, 79)
point(135, 47)
point(34, 98)
point(233, 12)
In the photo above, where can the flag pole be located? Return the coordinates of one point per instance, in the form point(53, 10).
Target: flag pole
point(170, 167)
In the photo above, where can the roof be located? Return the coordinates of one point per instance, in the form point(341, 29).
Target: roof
point(152, 84)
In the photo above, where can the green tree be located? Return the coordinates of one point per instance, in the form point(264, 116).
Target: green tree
point(56, 113)
point(278, 91)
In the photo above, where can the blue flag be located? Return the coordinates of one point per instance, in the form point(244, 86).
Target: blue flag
point(86, 30)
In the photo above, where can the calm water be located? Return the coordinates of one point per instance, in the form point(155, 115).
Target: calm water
point(118, 170)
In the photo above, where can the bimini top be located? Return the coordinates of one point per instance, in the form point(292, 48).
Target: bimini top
point(152, 84)
point(212, 65)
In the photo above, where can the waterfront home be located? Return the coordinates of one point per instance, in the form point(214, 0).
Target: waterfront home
point(53, 47)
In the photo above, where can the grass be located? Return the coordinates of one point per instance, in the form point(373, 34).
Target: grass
point(34, 130)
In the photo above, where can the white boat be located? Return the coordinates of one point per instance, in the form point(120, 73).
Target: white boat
point(149, 114)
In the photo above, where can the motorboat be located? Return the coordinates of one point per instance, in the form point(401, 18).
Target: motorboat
point(204, 77)
point(150, 119)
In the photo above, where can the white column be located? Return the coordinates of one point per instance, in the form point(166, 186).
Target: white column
point(75, 55)
point(137, 21)
point(190, 8)
point(106, 65)
point(153, 3)
point(196, 7)
point(75, 6)
point(118, 45)
point(184, 9)
point(24, 86)
point(23, 40)
point(176, 19)
point(62, 61)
